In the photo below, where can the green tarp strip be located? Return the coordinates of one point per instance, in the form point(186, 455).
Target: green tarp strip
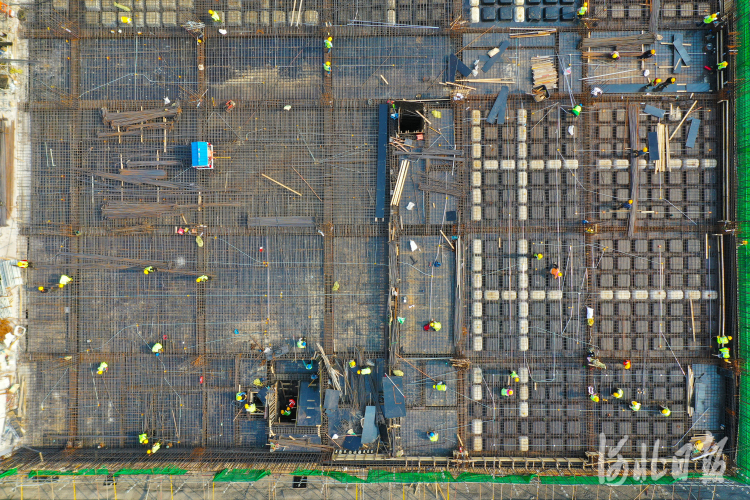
point(240, 475)
point(81, 472)
point(469, 477)
point(742, 133)
point(169, 471)
point(382, 476)
point(9, 472)
point(341, 477)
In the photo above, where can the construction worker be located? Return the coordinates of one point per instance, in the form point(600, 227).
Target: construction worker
point(257, 383)
point(665, 411)
point(698, 446)
point(514, 376)
point(251, 408)
point(328, 44)
point(635, 405)
point(576, 110)
point(713, 69)
point(64, 280)
point(440, 386)
point(506, 392)
point(436, 325)
point(301, 343)
point(663, 85)
point(640, 152)
point(327, 68)
point(627, 205)
point(240, 397)
point(286, 412)
point(648, 54)
point(724, 354)
point(398, 373)
point(23, 264)
point(654, 82)
point(154, 448)
point(201, 279)
point(538, 256)
point(583, 10)
point(149, 269)
point(103, 367)
point(433, 436)
point(618, 393)
point(291, 403)
point(626, 364)
point(42, 289)
point(709, 19)
point(143, 438)
point(596, 92)
point(229, 105)
point(352, 363)
point(365, 371)
point(157, 349)
point(555, 271)
point(594, 398)
point(723, 340)
point(215, 16)
point(308, 366)
point(615, 55)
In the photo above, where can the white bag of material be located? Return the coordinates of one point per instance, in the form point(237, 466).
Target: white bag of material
point(589, 313)
point(413, 246)
point(411, 205)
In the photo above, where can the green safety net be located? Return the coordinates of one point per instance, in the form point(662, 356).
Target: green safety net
point(168, 471)
point(80, 472)
point(240, 475)
point(382, 476)
point(573, 480)
point(341, 477)
point(742, 128)
point(9, 472)
point(470, 477)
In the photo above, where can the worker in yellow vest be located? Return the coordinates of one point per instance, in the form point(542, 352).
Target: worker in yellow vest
point(665, 411)
point(618, 393)
point(635, 405)
point(583, 10)
point(433, 436)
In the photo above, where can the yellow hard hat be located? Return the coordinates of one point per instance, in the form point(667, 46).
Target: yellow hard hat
point(145, 441)
point(40, 288)
point(330, 38)
point(148, 452)
point(210, 12)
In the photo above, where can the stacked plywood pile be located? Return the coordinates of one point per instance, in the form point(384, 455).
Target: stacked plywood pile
point(662, 163)
point(544, 71)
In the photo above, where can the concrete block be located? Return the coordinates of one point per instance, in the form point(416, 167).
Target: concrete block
point(140, 5)
point(476, 150)
point(153, 19)
point(603, 164)
point(523, 264)
point(686, 9)
point(251, 17)
point(476, 134)
point(519, 15)
point(109, 19)
point(154, 5)
point(622, 164)
point(476, 196)
point(390, 16)
point(91, 18)
point(312, 17)
point(169, 18)
point(523, 309)
point(521, 133)
point(523, 179)
point(523, 343)
point(490, 164)
point(139, 19)
point(234, 18)
point(477, 280)
point(606, 295)
point(60, 4)
point(265, 18)
point(523, 195)
point(523, 246)
point(523, 329)
point(523, 393)
point(538, 295)
point(640, 294)
point(522, 150)
point(233, 4)
point(523, 409)
point(536, 165)
point(554, 164)
point(495, 295)
point(476, 117)
point(523, 212)
point(523, 280)
point(279, 17)
point(476, 213)
point(571, 164)
point(168, 5)
point(476, 326)
point(709, 295)
point(476, 179)
point(708, 163)
point(92, 5)
point(476, 309)
point(508, 164)
point(477, 294)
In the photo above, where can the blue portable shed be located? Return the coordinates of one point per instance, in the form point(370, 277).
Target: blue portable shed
point(203, 157)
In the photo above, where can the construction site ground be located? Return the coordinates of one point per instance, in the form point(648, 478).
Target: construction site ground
point(293, 245)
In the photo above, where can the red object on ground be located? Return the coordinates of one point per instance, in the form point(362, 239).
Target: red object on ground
point(260, 249)
point(201, 380)
point(626, 364)
point(164, 337)
point(426, 327)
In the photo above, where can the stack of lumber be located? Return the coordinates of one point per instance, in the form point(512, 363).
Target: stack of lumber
point(543, 69)
point(662, 163)
point(132, 121)
point(632, 42)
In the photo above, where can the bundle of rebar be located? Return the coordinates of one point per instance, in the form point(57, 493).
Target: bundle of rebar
point(162, 118)
point(544, 72)
point(143, 179)
point(125, 210)
point(618, 41)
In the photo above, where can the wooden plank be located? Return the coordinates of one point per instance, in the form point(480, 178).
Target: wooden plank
point(282, 185)
point(682, 121)
point(497, 113)
point(695, 124)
